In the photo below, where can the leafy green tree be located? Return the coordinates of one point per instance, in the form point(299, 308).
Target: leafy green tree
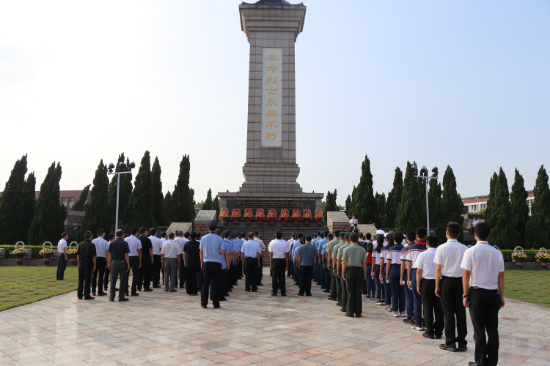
point(181, 196)
point(12, 212)
point(79, 204)
point(394, 199)
point(207, 205)
point(48, 221)
point(330, 204)
point(380, 204)
point(216, 206)
point(157, 192)
point(450, 206)
point(139, 211)
point(167, 207)
point(97, 214)
point(538, 226)
point(365, 207)
point(434, 196)
point(503, 232)
point(125, 190)
point(489, 211)
point(408, 213)
point(349, 208)
point(520, 209)
point(29, 204)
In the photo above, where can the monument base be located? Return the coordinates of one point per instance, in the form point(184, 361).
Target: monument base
point(268, 201)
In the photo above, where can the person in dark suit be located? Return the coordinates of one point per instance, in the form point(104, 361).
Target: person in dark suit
point(145, 274)
point(118, 262)
point(86, 259)
point(191, 255)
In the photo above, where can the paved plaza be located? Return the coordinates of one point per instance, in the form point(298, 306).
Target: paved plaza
point(161, 328)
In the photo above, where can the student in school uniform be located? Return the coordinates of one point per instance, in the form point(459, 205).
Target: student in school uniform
point(425, 286)
point(412, 254)
point(381, 299)
point(393, 275)
point(386, 284)
point(409, 240)
point(369, 280)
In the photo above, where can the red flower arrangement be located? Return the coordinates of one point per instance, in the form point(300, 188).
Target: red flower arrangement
point(247, 213)
point(284, 215)
point(260, 213)
point(307, 214)
point(319, 214)
point(272, 214)
point(236, 213)
point(223, 213)
point(296, 214)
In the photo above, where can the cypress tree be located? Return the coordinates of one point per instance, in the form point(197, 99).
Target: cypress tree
point(192, 204)
point(381, 204)
point(124, 194)
point(365, 207)
point(434, 196)
point(520, 209)
point(216, 206)
point(488, 212)
point(394, 199)
point(157, 192)
point(408, 213)
point(349, 204)
point(12, 212)
point(139, 211)
point(450, 206)
point(48, 221)
point(97, 213)
point(538, 226)
point(79, 204)
point(181, 194)
point(503, 231)
point(29, 204)
point(422, 199)
point(330, 204)
point(166, 207)
point(208, 203)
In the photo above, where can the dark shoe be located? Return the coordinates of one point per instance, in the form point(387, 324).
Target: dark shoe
point(193, 294)
point(223, 299)
point(173, 291)
point(309, 294)
point(79, 298)
point(283, 294)
point(451, 348)
point(260, 284)
point(204, 306)
point(125, 299)
point(462, 348)
point(273, 294)
point(181, 287)
point(299, 294)
point(328, 292)
point(351, 316)
point(93, 293)
point(156, 286)
point(89, 298)
point(438, 336)
point(116, 289)
point(134, 294)
point(111, 299)
point(247, 290)
point(255, 290)
point(474, 364)
point(358, 316)
point(342, 310)
point(148, 290)
point(217, 306)
point(139, 289)
point(101, 293)
point(428, 335)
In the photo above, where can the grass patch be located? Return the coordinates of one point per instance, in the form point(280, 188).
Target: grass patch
point(23, 285)
point(528, 286)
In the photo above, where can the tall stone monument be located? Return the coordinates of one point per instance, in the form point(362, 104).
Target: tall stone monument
point(270, 171)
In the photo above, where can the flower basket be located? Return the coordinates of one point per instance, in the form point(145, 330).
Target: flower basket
point(19, 253)
point(307, 217)
point(518, 256)
point(296, 217)
point(542, 257)
point(19, 259)
point(236, 216)
point(248, 216)
point(272, 217)
point(319, 217)
point(260, 217)
point(284, 217)
point(73, 253)
point(224, 216)
point(46, 253)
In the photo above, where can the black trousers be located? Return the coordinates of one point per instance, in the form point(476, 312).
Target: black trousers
point(182, 271)
point(134, 265)
point(333, 289)
point(191, 273)
point(278, 275)
point(106, 280)
point(354, 282)
point(118, 268)
point(61, 265)
point(290, 267)
point(432, 305)
point(211, 272)
point(156, 270)
point(306, 273)
point(145, 273)
point(260, 274)
point(484, 307)
point(452, 302)
point(84, 277)
point(101, 263)
point(251, 273)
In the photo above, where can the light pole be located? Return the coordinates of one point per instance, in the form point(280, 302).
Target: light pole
point(424, 175)
point(121, 166)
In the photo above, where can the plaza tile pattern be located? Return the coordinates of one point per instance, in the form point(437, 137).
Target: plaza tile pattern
point(161, 328)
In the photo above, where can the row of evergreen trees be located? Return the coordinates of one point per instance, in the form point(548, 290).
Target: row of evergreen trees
point(210, 204)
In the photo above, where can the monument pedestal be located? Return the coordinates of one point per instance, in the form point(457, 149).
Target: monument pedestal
point(268, 201)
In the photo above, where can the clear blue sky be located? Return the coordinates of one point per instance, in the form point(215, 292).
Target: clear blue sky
point(464, 83)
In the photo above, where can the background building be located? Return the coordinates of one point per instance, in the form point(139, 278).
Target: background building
point(478, 203)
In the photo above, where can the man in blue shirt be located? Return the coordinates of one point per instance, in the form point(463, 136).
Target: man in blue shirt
point(225, 260)
point(101, 246)
point(250, 256)
point(211, 248)
point(306, 256)
point(324, 261)
point(295, 247)
point(320, 246)
point(314, 243)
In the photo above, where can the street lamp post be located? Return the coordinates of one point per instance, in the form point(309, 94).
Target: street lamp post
point(424, 175)
point(121, 166)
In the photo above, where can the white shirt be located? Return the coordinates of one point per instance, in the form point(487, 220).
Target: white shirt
point(376, 257)
point(485, 263)
point(170, 249)
point(260, 243)
point(163, 240)
point(60, 245)
point(279, 248)
point(134, 244)
point(449, 255)
point(180, 240)
point(425, 262)
point(289, 242)
point(404, 252)
point(353, 222)
point(157, 244)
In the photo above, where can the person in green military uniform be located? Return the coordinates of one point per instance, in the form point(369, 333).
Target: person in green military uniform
point(335, 267)
point(344, 293)
point(329, 248)
point(354, 270)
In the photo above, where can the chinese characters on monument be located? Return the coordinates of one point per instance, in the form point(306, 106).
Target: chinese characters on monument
point(272, 92)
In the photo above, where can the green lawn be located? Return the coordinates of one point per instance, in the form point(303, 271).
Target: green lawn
point(23, 285)
point(529, 286)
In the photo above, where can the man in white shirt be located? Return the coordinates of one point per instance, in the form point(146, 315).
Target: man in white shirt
point(170, 257)
point(278, 263)
point(135, 259)
point(260, 274)
point(180, 240)
point(353, 222)
point(425, 279)
point(483, 285)
point(62, 256)
point(101, 246)
point(157, 247)
point(448, 286)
